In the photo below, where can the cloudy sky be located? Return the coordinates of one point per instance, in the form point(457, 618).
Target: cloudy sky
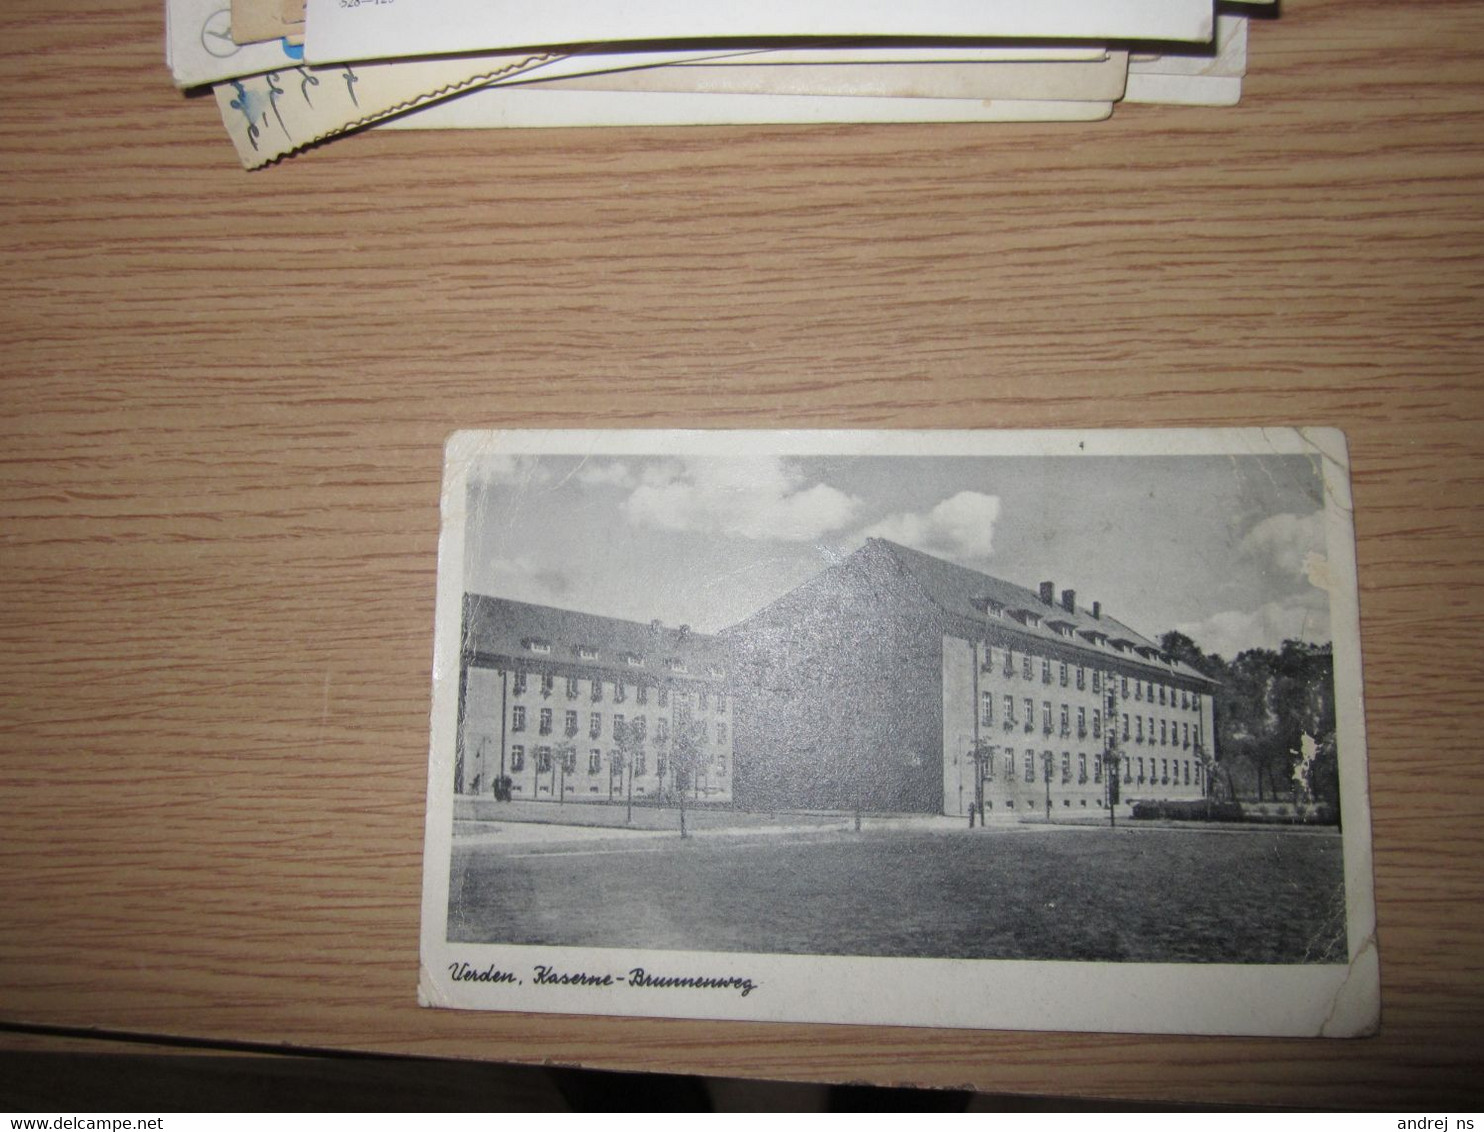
point(1220, 547)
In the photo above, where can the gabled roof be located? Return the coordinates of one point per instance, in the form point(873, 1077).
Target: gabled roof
point(961, 592)
point(499, 627)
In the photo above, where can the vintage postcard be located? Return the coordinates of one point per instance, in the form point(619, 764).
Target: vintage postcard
point(276, 113)
point(199, 48)
point(533, 106)
point(1205, 75)
point(1028, 730)
point(258, 21)
point(338, 31)
point(1063, 82)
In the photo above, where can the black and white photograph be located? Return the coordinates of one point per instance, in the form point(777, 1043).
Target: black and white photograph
point(1053, 730)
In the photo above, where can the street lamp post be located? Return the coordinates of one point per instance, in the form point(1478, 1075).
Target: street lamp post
point(1046, 773)
point(628, 763)
point(983, 752)
point(1111, 757)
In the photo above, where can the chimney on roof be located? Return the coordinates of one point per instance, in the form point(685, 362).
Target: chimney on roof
point(1097, 611)
point(655, 627)
point(685, 632)
point(1069, 600)
point(1048, 593)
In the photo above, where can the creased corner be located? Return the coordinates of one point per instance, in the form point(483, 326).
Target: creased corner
point(429, 993)
point(1331, 443)
point(1355, 1008)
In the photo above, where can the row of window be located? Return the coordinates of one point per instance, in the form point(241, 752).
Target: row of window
point(1031, 804)
point(590, 652)
point(1161, 772)
point(1177, 732)
point(544, 763)
point(1142, 689)
point(636, 728)
point(620, 691)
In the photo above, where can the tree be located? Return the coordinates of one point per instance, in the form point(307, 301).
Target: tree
point(567, 754)
point(1265, 702)
point(1112, 756)
point(1324, 774)
point(687, 752)
point(1185, 651)
point(630, 747)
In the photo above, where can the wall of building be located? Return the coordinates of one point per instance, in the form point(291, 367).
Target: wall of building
point(839, 687)
point(1044, 720)
point(556, 734)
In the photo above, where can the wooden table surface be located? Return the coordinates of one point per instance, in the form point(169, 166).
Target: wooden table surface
point(225, 396)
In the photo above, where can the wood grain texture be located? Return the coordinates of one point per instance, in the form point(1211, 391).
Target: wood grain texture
point(222, 411)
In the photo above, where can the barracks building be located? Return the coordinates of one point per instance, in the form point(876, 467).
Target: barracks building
point(892, 681)
point(573, 707)
point(897, 681)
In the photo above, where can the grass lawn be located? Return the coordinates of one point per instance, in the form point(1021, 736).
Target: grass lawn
point(1139, 895)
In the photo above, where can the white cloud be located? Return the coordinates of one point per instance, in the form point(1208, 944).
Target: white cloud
point(615, 473)
point(523, 579)
point(961, 527)
point(1304, 617)
point(1287, 542)
point(521, 471)
point(754, 498)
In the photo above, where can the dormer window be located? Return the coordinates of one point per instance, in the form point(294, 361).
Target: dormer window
point(989, 607)
point(587, 652)
point(674, 664)
point(633, 660)
point(537, 644)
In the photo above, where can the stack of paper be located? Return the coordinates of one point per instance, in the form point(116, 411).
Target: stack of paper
point(288, 73)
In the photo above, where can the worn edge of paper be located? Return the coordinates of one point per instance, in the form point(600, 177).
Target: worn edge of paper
point(251, 106)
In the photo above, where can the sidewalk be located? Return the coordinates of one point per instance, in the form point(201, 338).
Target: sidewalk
point(646, 816)
point(485, 820)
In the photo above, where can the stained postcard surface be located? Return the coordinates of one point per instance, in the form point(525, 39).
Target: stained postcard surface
point(1043, 730)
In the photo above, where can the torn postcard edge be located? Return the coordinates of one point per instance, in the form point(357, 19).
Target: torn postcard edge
point(781, 726)
point(270, 115)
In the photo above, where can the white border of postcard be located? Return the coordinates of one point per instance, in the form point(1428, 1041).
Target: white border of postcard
point(337, 31)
